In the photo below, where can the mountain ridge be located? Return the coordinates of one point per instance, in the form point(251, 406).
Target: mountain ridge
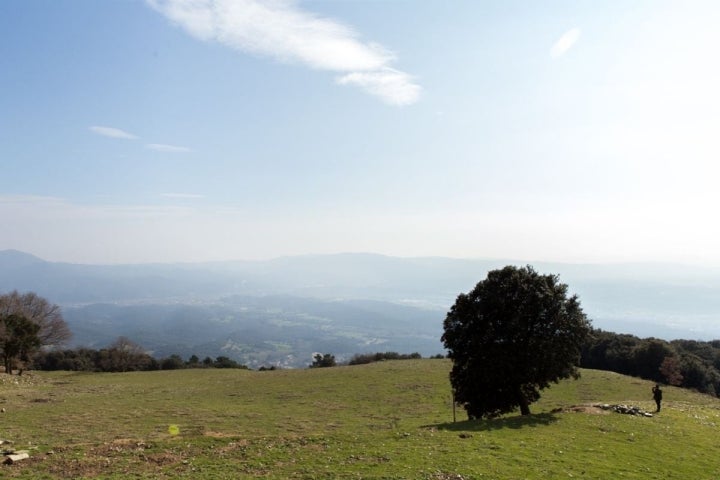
point(314, 295)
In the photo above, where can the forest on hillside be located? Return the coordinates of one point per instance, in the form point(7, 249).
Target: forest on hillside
point(690, 364)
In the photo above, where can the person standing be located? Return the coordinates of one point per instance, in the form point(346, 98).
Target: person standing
point(657, 396)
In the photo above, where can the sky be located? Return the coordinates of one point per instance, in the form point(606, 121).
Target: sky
point(136, 131)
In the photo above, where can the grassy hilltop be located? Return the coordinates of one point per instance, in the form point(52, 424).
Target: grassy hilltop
point(390, 420)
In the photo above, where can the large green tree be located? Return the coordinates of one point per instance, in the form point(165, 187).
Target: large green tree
point(508, 338)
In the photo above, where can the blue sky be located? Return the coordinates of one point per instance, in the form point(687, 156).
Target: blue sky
point(192, 130)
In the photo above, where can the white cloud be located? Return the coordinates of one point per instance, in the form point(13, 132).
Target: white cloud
point(161, 147)
point(395, 87)
point(279, 29)
point(112, 132)
point(565, 43)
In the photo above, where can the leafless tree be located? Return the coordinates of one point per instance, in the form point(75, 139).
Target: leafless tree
point(125, 355)
point(53, 330)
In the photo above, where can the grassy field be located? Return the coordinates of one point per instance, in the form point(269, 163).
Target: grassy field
point(390, 420)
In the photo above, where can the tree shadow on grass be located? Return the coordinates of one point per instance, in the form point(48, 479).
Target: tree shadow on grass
point(515, 422)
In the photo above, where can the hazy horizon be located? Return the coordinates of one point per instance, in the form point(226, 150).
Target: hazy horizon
point(165, 131)
point(661, 300)
point(696, 267)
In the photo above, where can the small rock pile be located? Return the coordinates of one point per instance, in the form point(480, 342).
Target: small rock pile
point(11, 455)
point(624, 409)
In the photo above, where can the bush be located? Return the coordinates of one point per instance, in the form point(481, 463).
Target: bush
point(364, 358)
point(323, 361)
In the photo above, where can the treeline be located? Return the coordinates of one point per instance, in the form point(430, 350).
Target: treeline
point(121, 356)
point(126, 356)
point(364, 358)
point(109, 360)
point(328, 360)
point(685, 363)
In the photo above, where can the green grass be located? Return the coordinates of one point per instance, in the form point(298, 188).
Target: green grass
point(390, 420)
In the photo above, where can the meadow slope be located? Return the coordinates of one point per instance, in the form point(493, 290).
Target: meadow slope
point(390, 420)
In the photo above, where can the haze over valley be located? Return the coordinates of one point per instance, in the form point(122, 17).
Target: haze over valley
point(279, 312)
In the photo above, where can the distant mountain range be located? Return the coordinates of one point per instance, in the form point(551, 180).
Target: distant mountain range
point(281, 311)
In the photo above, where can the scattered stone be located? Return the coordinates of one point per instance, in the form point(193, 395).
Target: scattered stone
point(624, 409)
point(10, 459)
point(447, 476)
point(12, 455)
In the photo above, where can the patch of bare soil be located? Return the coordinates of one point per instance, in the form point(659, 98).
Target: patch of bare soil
point(447, 476)
point(120, 456)
point(589, 409)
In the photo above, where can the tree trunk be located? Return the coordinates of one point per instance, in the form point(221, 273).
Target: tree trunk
point(524, 405)
point(8, 364)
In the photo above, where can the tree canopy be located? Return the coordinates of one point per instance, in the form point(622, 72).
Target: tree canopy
point(322, 361)
point(19, 339)
point(27, 322)
point(508, 338)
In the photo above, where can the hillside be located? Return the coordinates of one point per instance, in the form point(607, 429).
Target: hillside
point(384, 420)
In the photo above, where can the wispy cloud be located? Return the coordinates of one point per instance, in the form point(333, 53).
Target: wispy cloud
point(393, 86)
point(112, 132)
point(182, 195)
point(281, 30)
point(161, 147)
point(565, 43)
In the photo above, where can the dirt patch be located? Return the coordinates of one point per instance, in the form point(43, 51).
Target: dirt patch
point(219, 434)
point(588, 409)
point(128, 456)
point(447, 476)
